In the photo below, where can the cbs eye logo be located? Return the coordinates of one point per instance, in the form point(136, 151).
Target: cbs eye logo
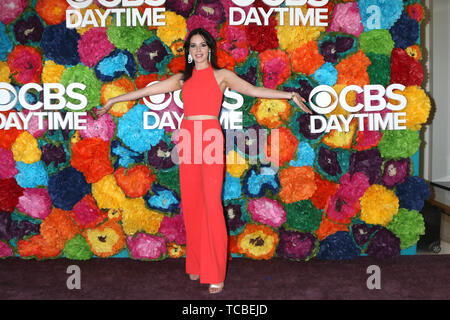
point(8, 96)
point(321, 99)
point(79, 4)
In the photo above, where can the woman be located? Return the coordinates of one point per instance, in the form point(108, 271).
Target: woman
point(203, 84)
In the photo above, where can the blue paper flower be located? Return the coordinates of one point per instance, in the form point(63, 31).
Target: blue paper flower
point(6, 45)
point(31, 175)
point(132, 133)
point(125, 156)
point(326, 74)
point(390, 11)
point(338, 246)
point(231, 187)
point(405, 32)
point(305, 155)
point(256, 183)
point(412, 193)
point(67, 187)
point(61, 44)
point(163, 199)
point(115, 65)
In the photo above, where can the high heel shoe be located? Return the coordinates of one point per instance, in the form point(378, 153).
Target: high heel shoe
point(194, 277)
point(215, 288)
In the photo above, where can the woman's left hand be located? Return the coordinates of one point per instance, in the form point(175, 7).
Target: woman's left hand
point(299, 100)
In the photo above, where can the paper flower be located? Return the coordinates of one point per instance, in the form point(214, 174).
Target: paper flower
point(52, 11)
point(37, 247)
point(153, 56)
point(284, 148)
point(257, 182)
point(325, 189)
point(328, 227)
point(5, 250)
point(415, 11)
point(414, 51)
point(267, 211)
point(336, 47)
point(412, 193)
point(60, 44)
point(10, 192)
point(275, 67)
point(7, 167)
point(183, 8)
point(35, 202)
point(127, 38)
point(343, 139)
point(136, 181)
point(77, 248)
point(369, 162)
point(173, 229)
point(115, 65)
point(408, 226)
point(332, 163)
point(262, 38)
point(236, 165)
point(297, 246)
point(353, 70)
point(54, 156)
point(197, 21)
point(383, 245)
point(91, 157)
point(418, 107)
point(83, 74)
point(136, 217)
point(390, 12)
point(26, 149)
point(305, 155)
point(94, 46)
point(28, 29)
point(396, 172)
point(271, 113)
point(347, 19)
point(397, 144)
point(378, 205)
point(380, 69)
point(52, 72)
point(11, 9)
point(108, 194)
point(234, 41)
point(362, 233)
point(175, 251)
point(405, 69)
point(303, 216)
point(86, 214)
point(5, 72)
point(163, 199)
point(132, 133)
point(236, 215)
point(211, 10)
point(296, 184)
point(175, 26)
point(338, 246)
point(405, 31)
point(102, 128)
point(124, 156)
point(25, 63)
point(57, 228)
point(146, 247)
point(225, 60)
point(257, 242)
point(31, 175)
point(306, 58)
point(67, 187)
point(106, 240)
point(231, 187)
point(116, 88)
point(160, 156)
point(326, 74)
point(303, 124)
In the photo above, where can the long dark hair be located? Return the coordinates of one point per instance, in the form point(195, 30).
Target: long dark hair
point(211, 44)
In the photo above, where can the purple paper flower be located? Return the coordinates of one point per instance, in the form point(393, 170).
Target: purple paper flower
point(211, 10)
point(304, 123)
point(295, 245)
point(384, 244)
point(236, 219)
point(28, 29)
point(396, 171)
point(52, 153)
point(159, 156)
point(331, 49)
point(328, 161)
point(149, 55)
point(362, 232)
point(183, 8)
point(369, 162)
point(14, 229)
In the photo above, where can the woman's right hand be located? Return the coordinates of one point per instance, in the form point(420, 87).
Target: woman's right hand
point(104, 109)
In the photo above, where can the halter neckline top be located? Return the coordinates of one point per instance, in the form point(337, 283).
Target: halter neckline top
point(201, 93)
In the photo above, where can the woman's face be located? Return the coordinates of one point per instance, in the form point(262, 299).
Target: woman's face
point(198, 49)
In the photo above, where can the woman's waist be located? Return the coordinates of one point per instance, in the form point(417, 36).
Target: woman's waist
point(201, 117)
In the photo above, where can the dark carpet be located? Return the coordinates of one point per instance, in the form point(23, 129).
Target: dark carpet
point(404, 277)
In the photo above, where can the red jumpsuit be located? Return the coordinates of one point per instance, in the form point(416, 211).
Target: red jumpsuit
point(201, 182)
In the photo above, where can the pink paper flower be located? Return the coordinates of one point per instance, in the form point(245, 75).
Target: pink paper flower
point(11, 9)
point(7, 164)
point(195, 22)
point(346, 18)
point(94, 46)
point(173, 229)
point(102, 128)
point(5, 250)
point(35, 202)
point(145, 246)
point(33, 125)
point(267, 211)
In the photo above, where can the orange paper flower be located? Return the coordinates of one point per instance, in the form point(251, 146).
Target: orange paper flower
point(114, 89)
point(328, 227)
point(57, 228)
point(257, 242)
point(38, 247)
point(307, 58)
point(353, 70)
point(325, 189)
point(106, 240)
point(52, 11)
point(279, 153)
point(136, 181)
point(297, 183)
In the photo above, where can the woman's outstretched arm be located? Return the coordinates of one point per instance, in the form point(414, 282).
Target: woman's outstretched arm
point(169, 85)
point(238, 84)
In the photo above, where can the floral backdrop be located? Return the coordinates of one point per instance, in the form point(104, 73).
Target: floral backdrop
point(113, 191)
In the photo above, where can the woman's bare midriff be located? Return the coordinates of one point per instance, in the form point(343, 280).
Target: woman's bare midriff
point(201, 117)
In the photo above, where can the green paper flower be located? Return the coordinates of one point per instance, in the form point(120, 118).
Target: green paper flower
point(408, 226)
point(376, 41)
point(380, 69)
point(303, 216)
point(86, 76)
point(397, 144)
point(129, 38)
point(77, 249)
point(169, 178)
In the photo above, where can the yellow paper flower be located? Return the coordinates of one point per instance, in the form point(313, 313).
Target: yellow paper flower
point(105, 240)
point(114, 89)
point(4, 72)
point(417, 108)
point(26, 149)
point(177, 48)
point(107, 193)
point(236, 164)
point(175, 250)
point(378, 205)
point(292, 37)
point(257, 242)
point(271, 112)
point(52, 72)
point(414, 51)
point(336, 139)
point(136, 217)
point(76, 137)
point(175, 28)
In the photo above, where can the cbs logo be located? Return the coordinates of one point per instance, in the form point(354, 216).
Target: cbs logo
point(324, 99)
point(81, 4)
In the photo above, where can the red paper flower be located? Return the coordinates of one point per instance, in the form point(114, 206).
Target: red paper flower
point(262, 38)
point(275, 66)
point(405, 69)
point(10, 192)
point(25, 64)
point(415, 11)
point(325, 189)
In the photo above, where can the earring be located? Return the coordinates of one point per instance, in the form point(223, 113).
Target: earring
point(209, 55)
point(190, 58)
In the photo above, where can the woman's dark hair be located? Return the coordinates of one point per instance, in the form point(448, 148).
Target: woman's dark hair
point(211, 44)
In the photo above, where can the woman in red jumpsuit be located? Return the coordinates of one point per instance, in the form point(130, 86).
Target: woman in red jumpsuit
point(201, 178)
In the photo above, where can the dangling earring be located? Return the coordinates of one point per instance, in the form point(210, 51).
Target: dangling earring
point(209, 56)
point(190, 58)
